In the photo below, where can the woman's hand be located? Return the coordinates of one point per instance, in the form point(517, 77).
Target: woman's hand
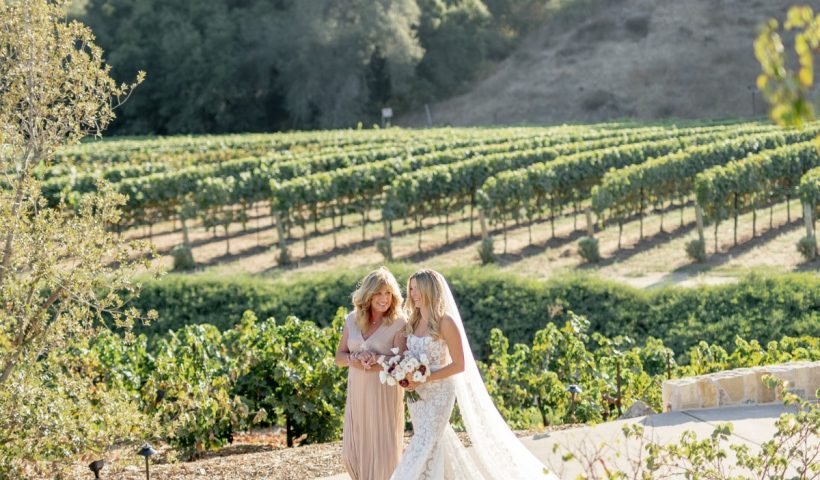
point(365, 359)
point(411, 385)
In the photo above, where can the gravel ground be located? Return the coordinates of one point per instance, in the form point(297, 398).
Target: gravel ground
point(256, 456)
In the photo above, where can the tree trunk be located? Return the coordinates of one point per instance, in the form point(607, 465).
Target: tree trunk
point(304, 237)
point(788, 209)
point(280, 228)
point(364, 224)
point(289, 431)
point(447, 228)
point(185, 239)
point(388, 240)
point(754, 221)
point(574, 217)
point(418, 226)
point(662, 212)
point(771, 216)
point(483, 221)
point(735, 219)
point(333, 222)
point(472, 207)
point(807, 218)
point(641, 216)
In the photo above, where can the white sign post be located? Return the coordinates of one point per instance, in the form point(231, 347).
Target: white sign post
point(387, 114)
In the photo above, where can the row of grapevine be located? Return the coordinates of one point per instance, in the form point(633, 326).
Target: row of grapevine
point(361, 187)
point(145, 162)
point(810, 197)
point(569, 181)
point(358, 188)
point(630, 190)
point(444, 189)
point(810, 188)
point(741, 185)
point(229, 162)
point(200, 385)
point(152, 149)
point(160, 195)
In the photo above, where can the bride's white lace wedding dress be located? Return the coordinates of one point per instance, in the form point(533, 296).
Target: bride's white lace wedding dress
point(435, 452)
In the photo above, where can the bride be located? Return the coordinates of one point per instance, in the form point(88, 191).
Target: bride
point(435, 329)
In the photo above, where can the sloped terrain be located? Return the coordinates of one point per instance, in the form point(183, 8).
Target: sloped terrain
point(642, 59)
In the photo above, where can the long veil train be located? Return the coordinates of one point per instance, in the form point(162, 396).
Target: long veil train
point(497, 450)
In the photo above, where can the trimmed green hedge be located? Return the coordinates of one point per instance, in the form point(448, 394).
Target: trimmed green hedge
point(757, 308)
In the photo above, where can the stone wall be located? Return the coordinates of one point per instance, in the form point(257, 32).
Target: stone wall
point(742, 386)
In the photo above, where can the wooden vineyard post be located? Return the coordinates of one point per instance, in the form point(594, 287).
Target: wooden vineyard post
point(484, 234)
point(807, 218)
point(590, 231)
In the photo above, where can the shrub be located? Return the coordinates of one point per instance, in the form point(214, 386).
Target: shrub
point(284, 257)
point(696, 250)
point(486, 251)
point(588, 248)
point(807, 246)
point(757, 308)
point(183, 258)
point(383, 247)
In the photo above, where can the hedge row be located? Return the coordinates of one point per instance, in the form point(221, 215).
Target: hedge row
point(761, 308)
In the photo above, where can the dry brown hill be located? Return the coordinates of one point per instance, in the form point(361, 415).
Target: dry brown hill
point(642, 59)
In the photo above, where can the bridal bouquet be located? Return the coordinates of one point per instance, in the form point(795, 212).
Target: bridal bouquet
point(401, 369)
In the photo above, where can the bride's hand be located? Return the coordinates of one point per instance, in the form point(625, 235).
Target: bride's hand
point(411, 385)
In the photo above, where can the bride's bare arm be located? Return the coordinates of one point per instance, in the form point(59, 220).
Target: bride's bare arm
point(400, 341)
point(450, 334)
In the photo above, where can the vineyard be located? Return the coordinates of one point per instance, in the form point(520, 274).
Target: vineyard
point(219, 358)
point(453, 196)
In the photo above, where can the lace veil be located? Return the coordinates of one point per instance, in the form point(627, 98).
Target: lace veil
point(497, 450)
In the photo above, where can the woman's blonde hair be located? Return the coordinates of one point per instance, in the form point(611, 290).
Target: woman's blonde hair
point(430, 285)
point(369, 286)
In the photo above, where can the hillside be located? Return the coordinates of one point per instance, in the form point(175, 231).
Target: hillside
point(644, 59)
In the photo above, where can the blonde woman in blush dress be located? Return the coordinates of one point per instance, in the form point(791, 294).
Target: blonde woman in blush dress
point(374, 413)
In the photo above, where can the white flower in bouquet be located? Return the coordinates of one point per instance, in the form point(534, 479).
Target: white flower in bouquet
point(402, 369)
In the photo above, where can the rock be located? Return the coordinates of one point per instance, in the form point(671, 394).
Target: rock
point(638, 409)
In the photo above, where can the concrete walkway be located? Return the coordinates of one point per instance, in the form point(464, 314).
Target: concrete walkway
point(753, 425)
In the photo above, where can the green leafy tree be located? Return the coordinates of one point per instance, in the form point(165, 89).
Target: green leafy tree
point(60, 268)
point(789, 90)
point(457, 39)
point(209, 66)
point(341, 60)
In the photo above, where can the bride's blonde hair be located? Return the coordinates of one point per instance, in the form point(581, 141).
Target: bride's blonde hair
point(430, 285)
point(369, 286)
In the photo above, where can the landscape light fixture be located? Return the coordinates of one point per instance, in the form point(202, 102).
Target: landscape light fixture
point(147, 451)
point(96, 466)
